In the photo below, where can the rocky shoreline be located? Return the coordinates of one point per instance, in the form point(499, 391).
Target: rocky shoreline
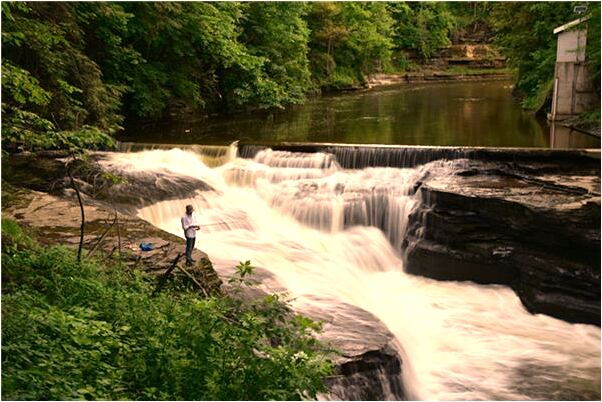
point(378, 80)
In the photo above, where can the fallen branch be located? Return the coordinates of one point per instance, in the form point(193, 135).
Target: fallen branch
point(118, 233)
point(93, 249)
point(193, 280)
point(111, 253)
point(81, 208)
point(166, 274)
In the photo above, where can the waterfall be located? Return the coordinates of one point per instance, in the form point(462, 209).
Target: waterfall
point(329, 233)
point(362, 156)
point(211, 155)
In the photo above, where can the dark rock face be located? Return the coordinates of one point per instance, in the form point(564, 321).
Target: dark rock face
point(533, 227)
point(373, 376)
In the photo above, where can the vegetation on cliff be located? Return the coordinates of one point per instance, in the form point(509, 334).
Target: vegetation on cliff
point(93, 331)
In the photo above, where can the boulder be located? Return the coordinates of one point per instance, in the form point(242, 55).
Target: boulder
point(369, 367)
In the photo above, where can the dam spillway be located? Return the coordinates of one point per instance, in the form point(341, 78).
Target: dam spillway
point(326, 231)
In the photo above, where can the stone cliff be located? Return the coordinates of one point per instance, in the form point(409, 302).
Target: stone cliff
point(532, 226)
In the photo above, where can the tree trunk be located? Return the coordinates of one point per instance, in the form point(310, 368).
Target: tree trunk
point(81, 209)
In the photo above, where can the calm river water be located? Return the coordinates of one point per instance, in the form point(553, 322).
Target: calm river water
point(455, 113)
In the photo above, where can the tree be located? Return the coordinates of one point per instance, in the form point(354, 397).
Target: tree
point(53, 93)
point(278, 33)
point(45, 42)
point(524, 35)
point(423, 27)
point(348, 41)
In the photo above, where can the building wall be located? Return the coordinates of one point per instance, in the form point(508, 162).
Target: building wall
point(571, 46)
point(573, 91)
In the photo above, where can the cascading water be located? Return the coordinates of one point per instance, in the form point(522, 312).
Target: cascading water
point(332, 234)
point(211, 155)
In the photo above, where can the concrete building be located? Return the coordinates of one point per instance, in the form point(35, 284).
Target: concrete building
point(573, 91)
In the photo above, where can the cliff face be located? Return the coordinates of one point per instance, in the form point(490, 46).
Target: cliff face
point(534, 227)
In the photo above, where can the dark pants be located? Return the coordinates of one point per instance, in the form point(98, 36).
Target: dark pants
point(189, 247)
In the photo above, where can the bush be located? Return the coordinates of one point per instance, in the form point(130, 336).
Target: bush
point(89, 331)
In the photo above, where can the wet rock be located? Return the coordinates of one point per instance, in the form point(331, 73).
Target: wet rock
point(529, 226)
point(351, 156)
point(140, 189)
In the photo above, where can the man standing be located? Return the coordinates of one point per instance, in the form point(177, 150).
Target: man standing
point(190, 227)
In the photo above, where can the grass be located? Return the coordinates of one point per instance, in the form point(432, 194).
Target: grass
point(540, 98)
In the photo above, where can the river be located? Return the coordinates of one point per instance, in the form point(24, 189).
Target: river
point(473, 113)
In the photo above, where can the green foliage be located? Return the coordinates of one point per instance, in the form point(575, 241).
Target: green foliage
point(524, 35)
point(69, 65)
point(243, 269)
point(26, 131)
point(471, 16)
point(423, 27)
point(277, 32)
point(348, 40)
point(22, 87)
point(53, 92)
point(540, 96)
point(87, 331)
point(13, 236)
point(46, 41)
point(589, 120)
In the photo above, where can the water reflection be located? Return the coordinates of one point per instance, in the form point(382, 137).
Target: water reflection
point(455, 114)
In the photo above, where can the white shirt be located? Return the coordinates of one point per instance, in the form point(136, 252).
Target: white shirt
point(187, 222)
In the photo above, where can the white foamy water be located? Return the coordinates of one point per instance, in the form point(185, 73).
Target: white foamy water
point(327, 233)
